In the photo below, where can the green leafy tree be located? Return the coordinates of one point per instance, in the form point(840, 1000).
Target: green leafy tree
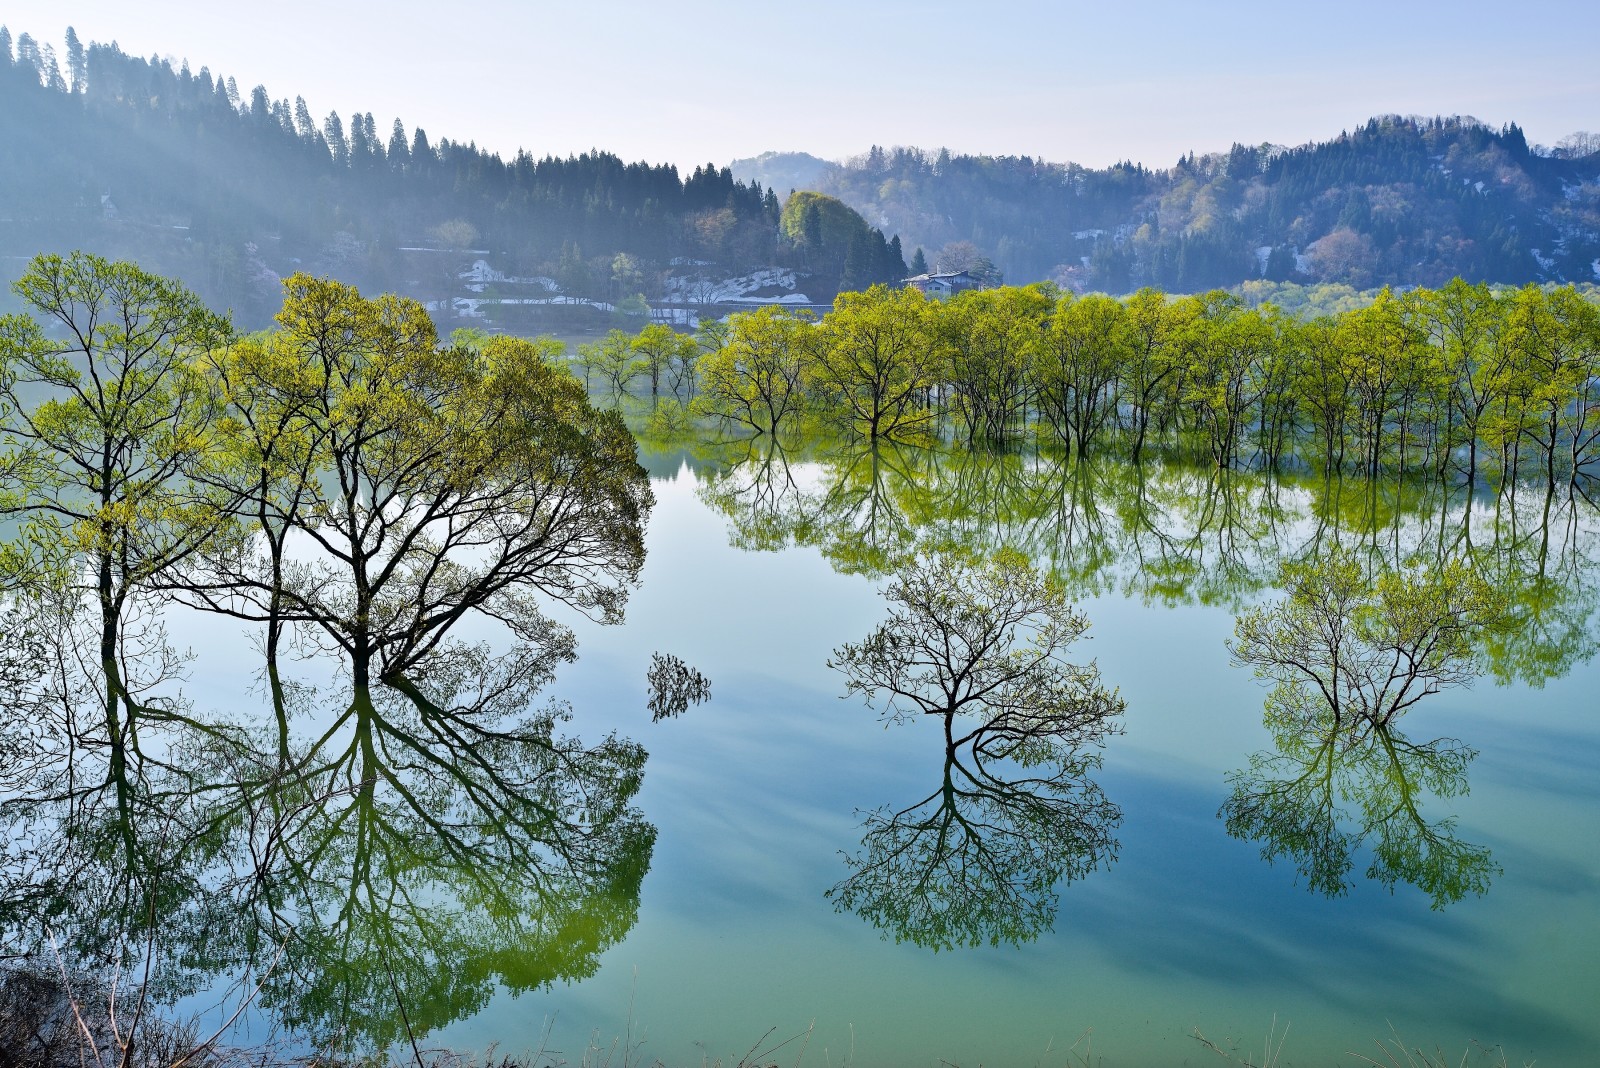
point(1082, 350)
point(758, 378)
point(876, 361)
point(661, 351)
point(1351, 648)
point(107, 427)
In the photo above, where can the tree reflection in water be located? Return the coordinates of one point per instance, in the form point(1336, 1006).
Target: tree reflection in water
point(1343, 772)
point(383, 883)
point(979, 859)
point(1349, 651)
point(1320, 796)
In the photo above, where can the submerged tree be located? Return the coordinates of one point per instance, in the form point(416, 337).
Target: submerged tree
point(1348, 655)
point(983, 640)
point(105, 426)
point(1357, 648)
point(978, 860)
point(348, 483)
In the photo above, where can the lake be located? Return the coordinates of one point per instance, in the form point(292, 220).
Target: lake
point(1441, 889)
point(759, 793)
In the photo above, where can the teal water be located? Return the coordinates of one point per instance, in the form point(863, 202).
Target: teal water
point(761, 564)
point(756, 794)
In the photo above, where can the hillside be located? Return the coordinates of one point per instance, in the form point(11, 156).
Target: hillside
point(1404, 201)
point(230, 191)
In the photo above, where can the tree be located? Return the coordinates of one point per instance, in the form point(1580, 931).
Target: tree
point(919, 262)
point(982, 640)
point(978, 859)
point(989, 337)
point(876, 361)
point(660, 350)
point(758, 377)
point(429, 485)
point(613, 357)
point(107, 427)
point(1081, 352)
point(1354, 649)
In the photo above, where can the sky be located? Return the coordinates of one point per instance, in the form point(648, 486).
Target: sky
point(689, 82)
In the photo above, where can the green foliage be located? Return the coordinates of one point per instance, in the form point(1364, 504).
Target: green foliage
point(979, 859)
point(357, 490)
point(1348, 647)
point(877, 362)
point(757, 379)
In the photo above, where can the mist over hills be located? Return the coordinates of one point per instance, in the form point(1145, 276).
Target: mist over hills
point(229, 191)
point(1398, 201)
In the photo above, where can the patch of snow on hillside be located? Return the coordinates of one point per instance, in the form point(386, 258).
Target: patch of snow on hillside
point(1088, 235)
point(1595, 267)
point(1263, 254)
point(770, 285)
point(1545, 262)
point(472, 307)
point(481, 274)
point(1301, 264)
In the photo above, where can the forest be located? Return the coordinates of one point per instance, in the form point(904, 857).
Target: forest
point(1454, 382)
point(231, 189)
point(1394, 200)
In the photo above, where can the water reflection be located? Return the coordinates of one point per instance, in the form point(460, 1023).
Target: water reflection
point(979, 646)
point(981, 859)
point(1321, 795)
point(373, 877)
point(1343, 775)
point(1170, 533)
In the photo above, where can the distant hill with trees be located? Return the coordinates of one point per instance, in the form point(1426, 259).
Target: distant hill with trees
point(231, 190)
point(1401, 201)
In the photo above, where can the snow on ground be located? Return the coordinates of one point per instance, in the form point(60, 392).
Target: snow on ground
point(1595, 267)
point(1545, 262)
point(770, 285)
point(1263, 254)
point(481, 274)
point(472, 307)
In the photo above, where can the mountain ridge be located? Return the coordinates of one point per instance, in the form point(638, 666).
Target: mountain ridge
point(230, 191)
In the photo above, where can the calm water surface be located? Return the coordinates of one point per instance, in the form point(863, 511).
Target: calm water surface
point(757, 571)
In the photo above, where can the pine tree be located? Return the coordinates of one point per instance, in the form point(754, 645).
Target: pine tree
point(77, 64)
point(919, 262)
point(333, 131)
point(894, 267)
point(399, 155)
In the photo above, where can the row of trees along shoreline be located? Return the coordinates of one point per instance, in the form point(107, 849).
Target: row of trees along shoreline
point(1459, 380)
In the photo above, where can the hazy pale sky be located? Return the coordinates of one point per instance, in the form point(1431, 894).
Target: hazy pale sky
point(691, 82)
